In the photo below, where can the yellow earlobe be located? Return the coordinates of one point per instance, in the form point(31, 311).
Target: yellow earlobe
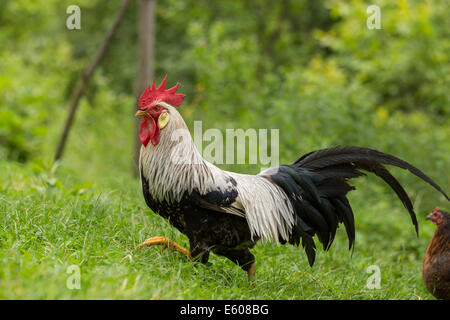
point(163, 120)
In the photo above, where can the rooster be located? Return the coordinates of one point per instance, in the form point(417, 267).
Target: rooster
point(436, 263)
point(226, 212)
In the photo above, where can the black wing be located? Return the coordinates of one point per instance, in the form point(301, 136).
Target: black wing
point(220, 201)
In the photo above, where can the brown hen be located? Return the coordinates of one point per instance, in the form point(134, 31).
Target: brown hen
point(436, 264)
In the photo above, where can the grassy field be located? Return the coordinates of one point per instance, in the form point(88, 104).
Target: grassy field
point(49, 221)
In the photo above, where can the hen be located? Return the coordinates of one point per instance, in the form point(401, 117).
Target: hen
point(436, 264)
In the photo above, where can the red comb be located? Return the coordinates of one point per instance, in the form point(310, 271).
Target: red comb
point(436, 209)
point(152, 94)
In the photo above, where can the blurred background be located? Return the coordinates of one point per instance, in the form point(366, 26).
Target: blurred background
point(310, 68)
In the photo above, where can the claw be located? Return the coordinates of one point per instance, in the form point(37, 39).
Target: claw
point(166, 243)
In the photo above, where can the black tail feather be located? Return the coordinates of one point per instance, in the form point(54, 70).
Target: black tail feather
point(345, 211)
point(316, 220)
point(304, 182)
point(332, 219)
point(307, 242)
point(384, 174)
point(347, 155)
point(346, 171)
point(316, 186)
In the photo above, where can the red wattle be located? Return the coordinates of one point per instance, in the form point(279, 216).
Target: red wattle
point(148, 130)
point(156, 135)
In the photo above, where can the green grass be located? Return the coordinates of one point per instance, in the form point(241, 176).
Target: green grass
point(50, 220)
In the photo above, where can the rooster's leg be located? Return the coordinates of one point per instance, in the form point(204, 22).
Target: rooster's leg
point(243, 258)
point(251, 272)
point(166, 243)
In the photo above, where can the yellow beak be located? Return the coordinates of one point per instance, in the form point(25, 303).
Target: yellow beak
point(140, 113)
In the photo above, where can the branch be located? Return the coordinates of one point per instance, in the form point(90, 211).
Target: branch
point(86, 75)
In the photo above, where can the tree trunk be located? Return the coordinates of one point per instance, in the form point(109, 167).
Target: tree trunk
point(146, 38)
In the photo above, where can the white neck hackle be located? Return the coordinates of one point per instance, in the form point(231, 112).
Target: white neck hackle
point(174, 166)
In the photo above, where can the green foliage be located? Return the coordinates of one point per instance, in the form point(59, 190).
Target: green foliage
point(309, 68)
point(406, 62)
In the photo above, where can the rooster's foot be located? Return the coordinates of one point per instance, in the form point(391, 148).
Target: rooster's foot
point(166, 243)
